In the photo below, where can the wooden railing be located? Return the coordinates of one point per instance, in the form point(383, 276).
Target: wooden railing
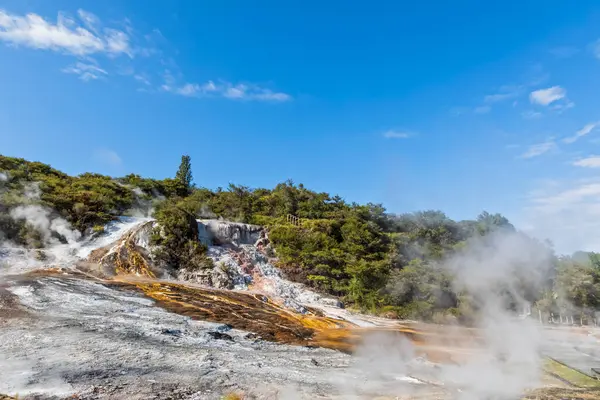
point(292, 219)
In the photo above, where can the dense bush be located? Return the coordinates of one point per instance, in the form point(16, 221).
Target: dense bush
point(176, 239)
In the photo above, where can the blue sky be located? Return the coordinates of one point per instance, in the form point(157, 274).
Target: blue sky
point(461, 106)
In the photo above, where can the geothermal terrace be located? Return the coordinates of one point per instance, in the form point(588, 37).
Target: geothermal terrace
point(100, 321)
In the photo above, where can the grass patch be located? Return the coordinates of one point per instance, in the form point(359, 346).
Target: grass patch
point(563, 394)
point(570, 375)
point(233, 396)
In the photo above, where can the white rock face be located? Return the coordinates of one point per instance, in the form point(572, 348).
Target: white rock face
point(214, 231)
point(236, 248)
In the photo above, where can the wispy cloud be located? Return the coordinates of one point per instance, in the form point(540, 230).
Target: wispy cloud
point(85, 36)
point(539, 149)
point(530, 114)
point(547, 96)
point(588, 162)
point(89, 20)
point(567, 197)
point(240, 91)
point(66, 35)
point(143, 79)
point(582, 132)
point(86, 72)
point(395, 134)
point(506, 92)
point(108, 157)
point(568, 213)
point(560, 107)
point(510, 92)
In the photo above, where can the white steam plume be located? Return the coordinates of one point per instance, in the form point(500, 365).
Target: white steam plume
point(42, 220)
point(143, 206)
point(502, 272)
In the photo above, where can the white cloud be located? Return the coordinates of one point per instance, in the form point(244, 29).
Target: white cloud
point(568, 213)
point(108, 157)
point(142, 79)
point(582, 132)
point(188, 89)
point(117, 42)
point(588, 162)
point(393, 134)
point(89, 20)
point(66, 35)
point(86, 36)
point(565, 198)
point(547, 96)
point(86, 72)
point(224, 89)
point(539, 149)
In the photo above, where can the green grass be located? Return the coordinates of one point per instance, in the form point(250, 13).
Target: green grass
point(570, 375)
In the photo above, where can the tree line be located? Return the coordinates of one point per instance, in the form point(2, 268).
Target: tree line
point(380, 262)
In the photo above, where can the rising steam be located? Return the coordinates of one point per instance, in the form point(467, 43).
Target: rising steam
point(501, 273)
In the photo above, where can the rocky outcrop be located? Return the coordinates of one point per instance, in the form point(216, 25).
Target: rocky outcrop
point(130, 255)
point(241, 257)
point(218, 277)
point(218, 232)
point(246, 255)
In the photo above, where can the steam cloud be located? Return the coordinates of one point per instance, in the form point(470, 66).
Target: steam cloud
point(41, 219)
point(500, 272)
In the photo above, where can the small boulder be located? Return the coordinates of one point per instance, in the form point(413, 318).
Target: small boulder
point(220, 336)
point(224, 328)
point(252, 336)
point(173, 332)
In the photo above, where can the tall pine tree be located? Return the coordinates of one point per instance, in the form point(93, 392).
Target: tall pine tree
point(184, 173)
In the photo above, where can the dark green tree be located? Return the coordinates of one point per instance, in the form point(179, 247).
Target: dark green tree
point(184, 173)
point(176, 238)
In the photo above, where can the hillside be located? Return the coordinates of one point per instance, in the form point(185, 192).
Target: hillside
point(395, 265)
point(140, 288)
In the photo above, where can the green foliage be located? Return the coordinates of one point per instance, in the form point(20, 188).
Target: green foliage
point(184, 173)
point(374, 260)
point(421, 289)
point(176, 238)
point(87, 201)
point(150, 187)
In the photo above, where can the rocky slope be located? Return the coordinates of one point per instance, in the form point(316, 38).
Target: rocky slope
point(92, 329)
point(99, 320)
